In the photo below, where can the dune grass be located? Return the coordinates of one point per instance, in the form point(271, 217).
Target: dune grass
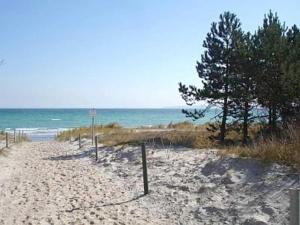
point(180, 134)
point(86, 132)
point(184, 134)
point(191, 139)
point(284, 150)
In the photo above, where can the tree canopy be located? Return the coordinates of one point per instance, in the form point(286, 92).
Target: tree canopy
point(240, 71)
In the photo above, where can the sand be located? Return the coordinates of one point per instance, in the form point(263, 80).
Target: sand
point(55, 183)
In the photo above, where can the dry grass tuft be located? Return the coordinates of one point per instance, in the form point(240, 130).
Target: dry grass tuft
point(191, 139)
point(284, 151)
point(86, 132)
point(182, 126)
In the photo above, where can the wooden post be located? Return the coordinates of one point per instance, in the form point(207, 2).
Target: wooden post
point(6, 138)
point(93, 113)
point(145, 175)
point(14, 135)
point(19, 136)
point(79, 141)
point(93, 130)
point(96, 147)
point(294, 207)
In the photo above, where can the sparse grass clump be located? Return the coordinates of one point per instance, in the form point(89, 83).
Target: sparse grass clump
point(86, 132)
point(182, 126)
point(284, 150)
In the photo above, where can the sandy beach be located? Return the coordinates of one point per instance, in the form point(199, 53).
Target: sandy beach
point(56, 183)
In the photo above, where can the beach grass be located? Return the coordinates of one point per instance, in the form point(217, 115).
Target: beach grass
point(280, 150)
point(183, 134)
point(284, 150)
point(180, 134)
point(185, 138)
point(86, 132)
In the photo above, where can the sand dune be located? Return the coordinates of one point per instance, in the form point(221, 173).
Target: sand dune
point(55, 183)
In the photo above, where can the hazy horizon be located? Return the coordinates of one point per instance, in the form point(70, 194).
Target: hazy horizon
point(162, 107)
point(111, 54)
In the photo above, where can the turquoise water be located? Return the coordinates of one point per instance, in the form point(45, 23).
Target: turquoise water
point(45, 122)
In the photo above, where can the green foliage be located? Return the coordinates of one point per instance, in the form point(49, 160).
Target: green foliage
point(240, 71)
point(271, 48)
point(215, 70)
point(243, 84)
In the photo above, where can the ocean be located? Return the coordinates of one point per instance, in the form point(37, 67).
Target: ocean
point(46, 123)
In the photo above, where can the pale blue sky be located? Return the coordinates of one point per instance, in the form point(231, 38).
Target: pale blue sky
point(112, 53)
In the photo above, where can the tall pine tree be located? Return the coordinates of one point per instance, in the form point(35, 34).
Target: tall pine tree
point(272, 51)
point(243, 84)
point(290, 111)
point(216, 70)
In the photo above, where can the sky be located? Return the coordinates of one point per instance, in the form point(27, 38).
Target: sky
point(113, 53)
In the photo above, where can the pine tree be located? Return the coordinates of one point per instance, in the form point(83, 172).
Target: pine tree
point(243, 84)
point(215, 70)
point(272, 51)
point(291, 109)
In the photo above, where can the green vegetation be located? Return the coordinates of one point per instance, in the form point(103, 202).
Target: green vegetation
point(242, 71)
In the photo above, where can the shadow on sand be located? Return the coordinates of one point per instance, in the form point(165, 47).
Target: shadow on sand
point(67, 156)
point(107, 204)
point(123, 202)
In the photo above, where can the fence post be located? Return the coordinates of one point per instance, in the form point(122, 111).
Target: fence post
point(15, 135)
point(93, 130)
point(19, 136)
point(79, 141)
point(96, 147)
point(294, 207)
point(145, 175)
point(6, 138)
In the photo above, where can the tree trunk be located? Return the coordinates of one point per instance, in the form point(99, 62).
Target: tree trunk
point(245, 124)
point(274, 125)
point(270, 117)
point(224, 118)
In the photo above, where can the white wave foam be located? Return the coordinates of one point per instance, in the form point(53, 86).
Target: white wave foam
point(36, 131)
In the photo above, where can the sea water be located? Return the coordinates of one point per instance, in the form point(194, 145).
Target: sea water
point(46, 123)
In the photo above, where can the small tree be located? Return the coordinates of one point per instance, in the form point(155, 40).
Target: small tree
point(215, 70)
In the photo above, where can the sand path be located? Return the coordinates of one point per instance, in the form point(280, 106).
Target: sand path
point(52, 183)
point(55, 183)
